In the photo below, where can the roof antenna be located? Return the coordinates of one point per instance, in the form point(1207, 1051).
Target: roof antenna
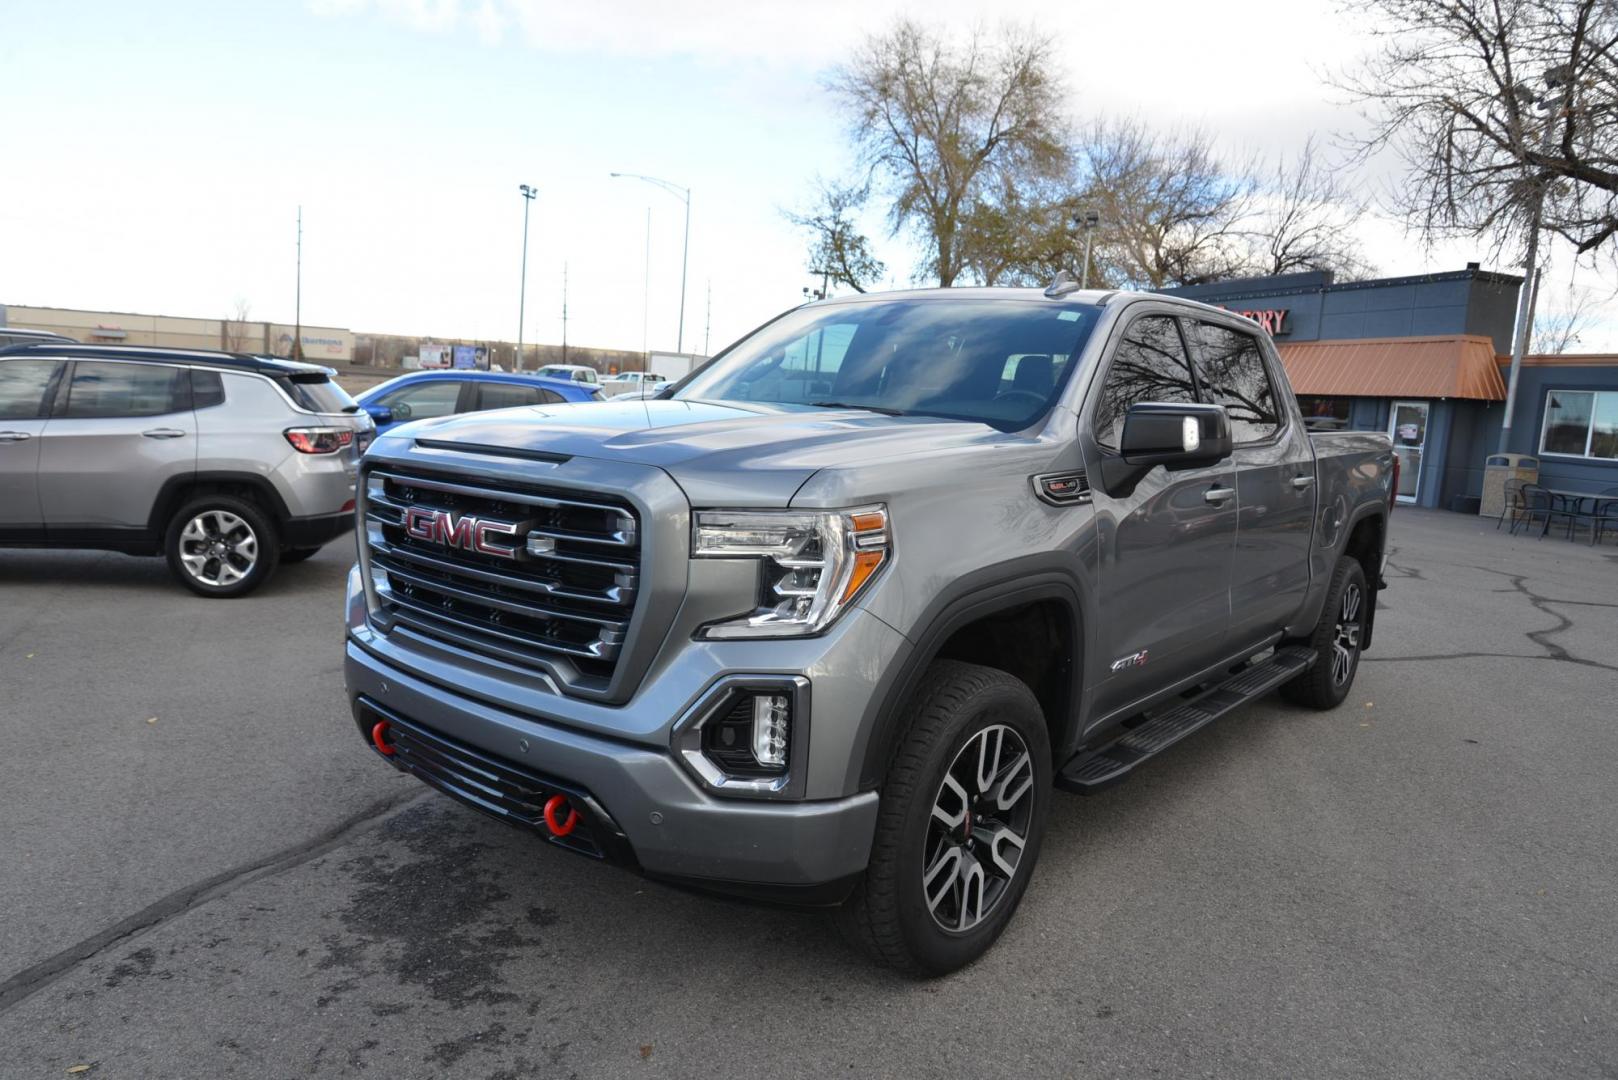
point(1061, 285)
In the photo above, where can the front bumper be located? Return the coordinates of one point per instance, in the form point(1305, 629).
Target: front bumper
point(669, 826)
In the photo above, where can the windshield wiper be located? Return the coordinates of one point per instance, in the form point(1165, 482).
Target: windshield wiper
point(867, 408)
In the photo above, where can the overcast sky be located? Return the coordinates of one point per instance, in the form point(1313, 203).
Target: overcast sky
point(156, 153)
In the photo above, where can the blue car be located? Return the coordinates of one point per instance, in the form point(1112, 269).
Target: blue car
point(423, 394)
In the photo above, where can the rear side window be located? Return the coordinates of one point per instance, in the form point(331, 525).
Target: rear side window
point(1232, 373)
point(207, 389)
point(1150, 364)
point(22, 387)
point(102, 389)
point(509, 395)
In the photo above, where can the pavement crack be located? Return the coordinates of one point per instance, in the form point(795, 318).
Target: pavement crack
point(1542, 604)
point(23, 985)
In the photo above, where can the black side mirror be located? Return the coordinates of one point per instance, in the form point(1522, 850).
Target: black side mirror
point(1173, 435)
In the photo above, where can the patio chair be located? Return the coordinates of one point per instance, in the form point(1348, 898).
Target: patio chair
point(1607, 518)
point(1537, 505)
point(1514, 504)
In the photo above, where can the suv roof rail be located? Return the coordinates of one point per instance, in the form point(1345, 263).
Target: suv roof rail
point(244, 361)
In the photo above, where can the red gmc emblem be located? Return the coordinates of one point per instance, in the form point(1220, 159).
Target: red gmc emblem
point(466, 532)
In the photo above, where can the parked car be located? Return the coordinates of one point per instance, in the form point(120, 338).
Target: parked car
point(16, 335)
point(422, 395)
point(578, 373)
point(226, 464)
point(633, 384)
point(833, 622)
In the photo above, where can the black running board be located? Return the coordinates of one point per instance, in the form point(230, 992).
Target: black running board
point(1089, 771)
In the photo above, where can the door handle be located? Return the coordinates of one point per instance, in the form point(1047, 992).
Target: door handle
point(1217, 495)
point(164, 433)
point(14, 436)
point(1301, 482)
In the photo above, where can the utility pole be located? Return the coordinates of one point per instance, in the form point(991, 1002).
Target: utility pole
point(564, 313)
point(297, 296)
point(646, 285)
point(707, 323)
point(528, 192)
point(1556, 78)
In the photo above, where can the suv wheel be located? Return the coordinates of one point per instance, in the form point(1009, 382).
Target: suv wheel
point(959, 825)
point(1336, 639)
point(221, 546)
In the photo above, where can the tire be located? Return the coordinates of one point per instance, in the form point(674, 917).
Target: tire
point(960, 714)
point(250, 542)
point(298, 555)
point(1336, 638)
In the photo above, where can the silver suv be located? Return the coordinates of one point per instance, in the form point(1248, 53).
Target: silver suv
point(226, 464)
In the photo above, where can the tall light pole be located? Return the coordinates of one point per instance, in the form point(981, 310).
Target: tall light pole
point(684, 195)
point(1088, 222)
point(297, 296)
point(1556, 78)
point(528, 192)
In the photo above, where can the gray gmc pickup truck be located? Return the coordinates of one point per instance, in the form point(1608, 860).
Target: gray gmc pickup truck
point(832, 619)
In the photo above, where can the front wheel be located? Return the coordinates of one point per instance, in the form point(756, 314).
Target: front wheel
point(1336, 639)
point(961, 818)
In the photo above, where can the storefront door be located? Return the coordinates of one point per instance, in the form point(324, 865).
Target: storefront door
point(1408, 427)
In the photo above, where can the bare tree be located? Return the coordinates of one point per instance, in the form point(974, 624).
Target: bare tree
point(838, 251)
point(1491, 103)
point(945, 125)
point(1307, 219)
point(1172, 212)
point(1558, 329)
point(234, 328)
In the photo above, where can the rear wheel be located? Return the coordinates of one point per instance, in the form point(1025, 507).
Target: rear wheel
point(959, 824)
point(221, 546)
point(1336, 640)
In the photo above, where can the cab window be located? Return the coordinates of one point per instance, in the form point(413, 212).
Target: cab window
point(1150, 364)
point(1231, 373)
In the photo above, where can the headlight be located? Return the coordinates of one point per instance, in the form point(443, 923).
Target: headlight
point(815, 563)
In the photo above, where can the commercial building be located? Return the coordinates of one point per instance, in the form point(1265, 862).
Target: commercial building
point(321, 344)
point(1426, 359)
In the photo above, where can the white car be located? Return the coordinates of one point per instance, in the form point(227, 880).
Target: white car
point(579, 373)
point(634, 384)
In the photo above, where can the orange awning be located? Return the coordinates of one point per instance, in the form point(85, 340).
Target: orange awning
point(1453, 366)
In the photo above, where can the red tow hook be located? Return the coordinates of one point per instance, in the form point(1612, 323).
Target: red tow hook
point(553, 806)
point(379, 738)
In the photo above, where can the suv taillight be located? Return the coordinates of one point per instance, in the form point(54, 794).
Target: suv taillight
point(319, 440)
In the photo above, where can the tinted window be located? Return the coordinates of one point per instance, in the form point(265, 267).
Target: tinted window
point(317, 393)
point(22, 387)
point(1232, 373)
point(122, 389)
point(507, 395)
point(425, 399)
point(1150, 364)
point(207, 389)
point(943, 357)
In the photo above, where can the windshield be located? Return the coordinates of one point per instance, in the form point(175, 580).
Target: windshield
point(1001, 362)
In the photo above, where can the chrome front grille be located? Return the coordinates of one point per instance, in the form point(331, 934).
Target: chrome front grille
point(537, 576)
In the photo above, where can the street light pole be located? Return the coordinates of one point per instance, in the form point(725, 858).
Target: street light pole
point(684, 195)
point(1088, 222)
point(1554, 78)
point(297, 296)
point(528, 193)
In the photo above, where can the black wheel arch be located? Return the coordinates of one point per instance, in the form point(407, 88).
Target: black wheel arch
point(1044, 583)
point(179, 490)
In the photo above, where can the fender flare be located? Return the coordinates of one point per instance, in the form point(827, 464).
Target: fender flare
point(169, 496)
point(985, 592)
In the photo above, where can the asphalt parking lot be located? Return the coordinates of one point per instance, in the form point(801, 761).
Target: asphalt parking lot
point(205, 873)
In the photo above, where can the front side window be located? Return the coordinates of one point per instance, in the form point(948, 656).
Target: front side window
point(107, 389)
point(935, 357)
point(22, 387)
point(423, 400)
point(1150, 364)
point(1231, 373)
point(1581, 423)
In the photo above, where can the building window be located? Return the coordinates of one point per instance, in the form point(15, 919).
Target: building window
point(1580, 423)
point(1326, 408)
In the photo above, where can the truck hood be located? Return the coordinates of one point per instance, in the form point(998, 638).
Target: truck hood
point(723, 454)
